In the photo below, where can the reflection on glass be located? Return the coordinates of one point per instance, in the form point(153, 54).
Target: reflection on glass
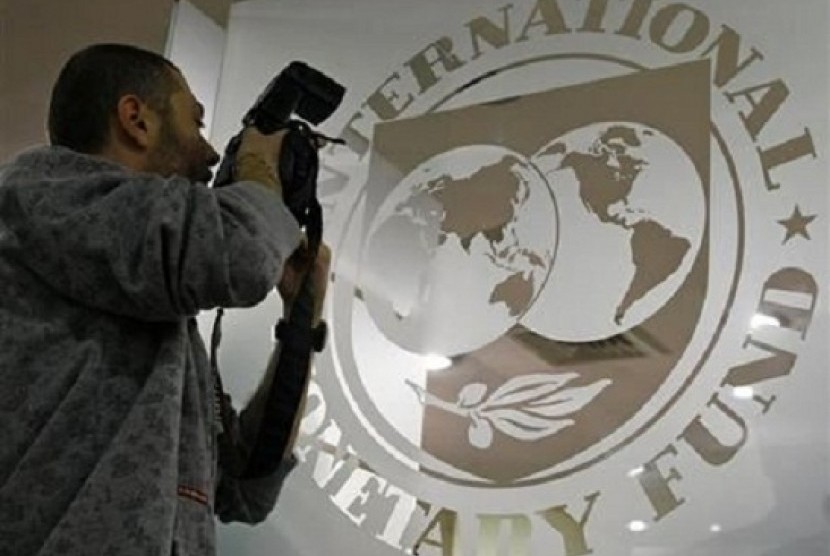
point(759, 320)
point(743, 392)
point(636, 472)
point(434, 362)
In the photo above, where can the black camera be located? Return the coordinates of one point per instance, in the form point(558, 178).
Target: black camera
point(302, 90)
point(306, 92)
point(298, 89)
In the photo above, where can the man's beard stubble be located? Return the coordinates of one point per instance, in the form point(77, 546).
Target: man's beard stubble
point(171, 156)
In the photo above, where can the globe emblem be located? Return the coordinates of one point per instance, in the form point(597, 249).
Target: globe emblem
point(632, 214)
point(459, 250)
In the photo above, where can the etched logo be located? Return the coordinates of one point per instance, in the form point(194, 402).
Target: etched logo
point(577, 236)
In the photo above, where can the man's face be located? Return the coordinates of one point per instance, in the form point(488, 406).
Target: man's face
point(180, 148)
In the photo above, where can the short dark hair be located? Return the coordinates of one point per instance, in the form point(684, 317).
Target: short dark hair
point(90, 84)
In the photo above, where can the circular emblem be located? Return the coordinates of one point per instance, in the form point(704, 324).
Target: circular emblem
point(569, 233)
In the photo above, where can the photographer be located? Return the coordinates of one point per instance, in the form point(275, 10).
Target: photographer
point(110, 244)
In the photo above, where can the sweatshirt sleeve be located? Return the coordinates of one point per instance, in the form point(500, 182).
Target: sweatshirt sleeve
point(149, 247)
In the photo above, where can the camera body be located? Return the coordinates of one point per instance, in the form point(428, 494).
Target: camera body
point(298, 89)
point(302, 90)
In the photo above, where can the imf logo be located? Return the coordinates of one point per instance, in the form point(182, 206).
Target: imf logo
point(577, 236)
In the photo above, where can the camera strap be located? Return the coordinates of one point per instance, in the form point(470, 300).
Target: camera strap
point(261, 454)
point(299, 165)
point(297, 340)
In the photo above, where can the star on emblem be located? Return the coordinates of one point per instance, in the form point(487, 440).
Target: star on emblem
point(797, 224)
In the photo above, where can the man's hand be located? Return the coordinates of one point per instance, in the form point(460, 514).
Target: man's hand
point(296, 267)
point(258, 157)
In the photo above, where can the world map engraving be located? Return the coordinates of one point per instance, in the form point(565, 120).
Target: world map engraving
point(479, 238)
point(632, 214)
point(606, 175)
point(459, 250)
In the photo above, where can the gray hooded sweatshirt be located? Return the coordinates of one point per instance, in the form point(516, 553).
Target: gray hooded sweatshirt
point(107, 428)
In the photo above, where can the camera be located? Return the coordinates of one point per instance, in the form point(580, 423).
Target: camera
point(298, 89)
point(311, 95)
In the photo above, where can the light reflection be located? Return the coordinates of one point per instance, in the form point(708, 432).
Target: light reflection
point(759, 320)
point(743, 392)
point(434, 362)
point(637, 526)
point(636, 472)
point(715, 528)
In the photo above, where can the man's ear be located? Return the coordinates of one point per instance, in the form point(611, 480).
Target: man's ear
point(136, 120)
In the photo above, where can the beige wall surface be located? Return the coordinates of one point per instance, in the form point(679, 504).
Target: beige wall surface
point(36, 37)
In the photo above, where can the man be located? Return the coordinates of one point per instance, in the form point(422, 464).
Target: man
point(110, 243)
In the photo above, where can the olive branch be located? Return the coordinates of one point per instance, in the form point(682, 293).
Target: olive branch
point(527, 408)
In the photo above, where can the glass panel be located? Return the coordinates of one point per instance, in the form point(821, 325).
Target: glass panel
point(578, 300)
